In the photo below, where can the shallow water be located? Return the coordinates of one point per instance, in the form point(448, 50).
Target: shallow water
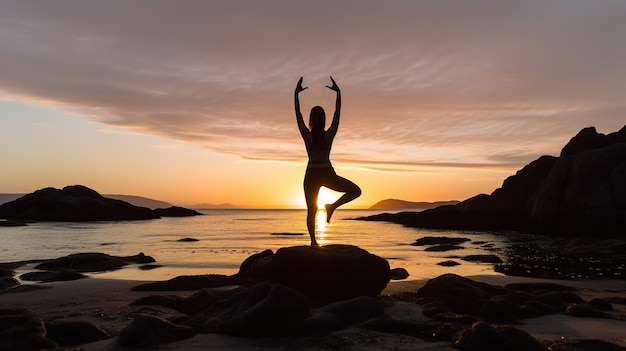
point(227, 237)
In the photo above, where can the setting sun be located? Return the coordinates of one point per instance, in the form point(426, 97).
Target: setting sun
point(326, 196)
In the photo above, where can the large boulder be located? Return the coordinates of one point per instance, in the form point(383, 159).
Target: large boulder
point(328, 273)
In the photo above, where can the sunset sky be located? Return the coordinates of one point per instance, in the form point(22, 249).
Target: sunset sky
point(192, 101)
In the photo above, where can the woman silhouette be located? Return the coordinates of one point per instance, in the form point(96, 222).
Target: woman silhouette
point(319, 170)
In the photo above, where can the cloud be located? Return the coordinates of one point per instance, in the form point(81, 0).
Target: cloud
point(471, 84)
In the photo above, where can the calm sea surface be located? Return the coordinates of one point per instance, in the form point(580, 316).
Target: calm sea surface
point(227, 237)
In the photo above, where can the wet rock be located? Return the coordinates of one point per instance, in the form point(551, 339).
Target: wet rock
point(584, 310)
point(205, 298)
point(147, 330)
point(539, 287)
point(190, 282)
point(601, 304)
point(439, 240)
point(559, 300)
point(398, 274)
point(52, 276)
point(484, 337)
point(501, 310)
point(448, 263)
point(459, 294)
point(427, 330)
point(441, 248)
point(73, 333)
point(482, 258)
point(8, 282)
point(170, 301)
point(263, 309)
point(341, 314)
point(138, 258)
point(329, 273)
point(22, 330)
point(187, 240)
point(91, 262)
point(583, 345)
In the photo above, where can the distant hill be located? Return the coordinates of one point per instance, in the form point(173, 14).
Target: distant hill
point(4, 198)
point(205, 206)
point(140, 201)
point(395, 204)
point(131, 199)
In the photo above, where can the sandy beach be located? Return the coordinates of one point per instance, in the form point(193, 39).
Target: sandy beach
point(107, 304)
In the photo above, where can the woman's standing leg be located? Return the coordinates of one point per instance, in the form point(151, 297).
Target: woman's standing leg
point(311, 191)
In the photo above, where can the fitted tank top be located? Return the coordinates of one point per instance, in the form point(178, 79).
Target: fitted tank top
point(318, 150)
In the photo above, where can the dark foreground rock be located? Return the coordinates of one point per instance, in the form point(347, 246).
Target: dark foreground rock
point(581, 192)
point(329, 273)
point(77, 203)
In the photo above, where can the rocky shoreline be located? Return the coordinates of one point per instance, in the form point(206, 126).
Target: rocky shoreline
point(284, 311)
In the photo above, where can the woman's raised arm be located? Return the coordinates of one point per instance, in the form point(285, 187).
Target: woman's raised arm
point(301, 125)
point(334, 126)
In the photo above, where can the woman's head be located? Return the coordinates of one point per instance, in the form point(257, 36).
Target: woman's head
point(317, 119)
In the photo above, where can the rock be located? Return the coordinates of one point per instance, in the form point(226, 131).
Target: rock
point(72, 204)
point(329, 273)
point(8, 282)
point(263, 309)
point(584, 310)
point(53, 276)
point(341, 314)
point(147, 330)
point(439, 240)
point(583, 345)
point(500, 310)
point(190, 282)
point(205, 298)
point(187, 240)
point(398, 274)
point(21, 330)
point(170, 301)
point(448, 263)
point(446, 247)
point(600, 304)
point(73, 333)
point(176, 211)
point(90, 262)
point(582, 192)
point(538, 287)
point(482, 258)
point(485, 337)
point(427, 330)
point(138, 258)
point(459, 294)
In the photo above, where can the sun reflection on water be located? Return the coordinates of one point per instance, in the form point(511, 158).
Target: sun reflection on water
point(320, 227)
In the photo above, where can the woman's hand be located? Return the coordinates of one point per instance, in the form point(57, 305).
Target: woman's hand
point(334, 86)
point(299, 87)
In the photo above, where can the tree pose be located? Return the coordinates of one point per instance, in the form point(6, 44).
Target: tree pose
point(319, 170)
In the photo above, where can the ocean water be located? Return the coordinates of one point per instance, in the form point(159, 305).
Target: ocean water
point(227, 237)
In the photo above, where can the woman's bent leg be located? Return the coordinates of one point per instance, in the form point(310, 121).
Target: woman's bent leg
point(351, 191)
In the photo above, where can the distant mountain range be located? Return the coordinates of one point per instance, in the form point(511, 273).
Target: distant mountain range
point(131, 199)
point(205, 206)
point(388, 204)
point(395, 204)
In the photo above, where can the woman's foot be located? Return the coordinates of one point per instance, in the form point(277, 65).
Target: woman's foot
point(315, 244)
point(329, 211)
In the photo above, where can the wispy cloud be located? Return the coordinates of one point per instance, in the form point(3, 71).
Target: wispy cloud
point(470, 84)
